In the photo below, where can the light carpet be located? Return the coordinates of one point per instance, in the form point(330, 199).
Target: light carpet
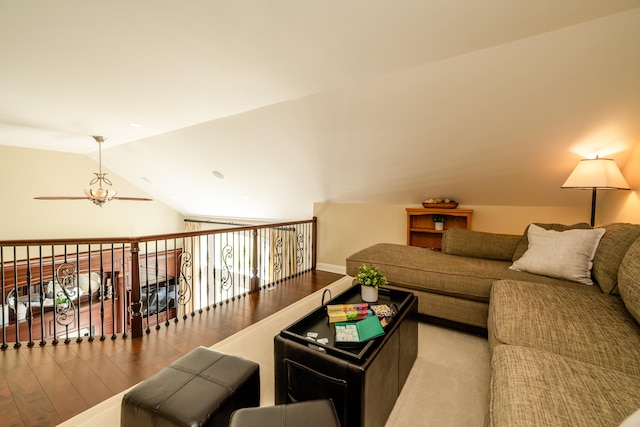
point(448, 384)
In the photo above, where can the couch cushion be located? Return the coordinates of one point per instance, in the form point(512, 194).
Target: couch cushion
point(536, 388)
point(456, 309)
point(629, 280)
point(524, 242)
point(591, 327)
point(562, 254)
point(422, 269)
point(477, 244)
point(612, 248)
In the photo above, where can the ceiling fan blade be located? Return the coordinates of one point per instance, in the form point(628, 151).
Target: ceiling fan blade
point(140, 199)
point(61, 198)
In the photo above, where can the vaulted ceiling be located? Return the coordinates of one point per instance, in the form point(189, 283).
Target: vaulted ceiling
point(261, 108)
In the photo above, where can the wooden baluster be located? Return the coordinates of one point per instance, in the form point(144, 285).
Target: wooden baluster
point(136, 304)
point(314, 241)
point(254, 284)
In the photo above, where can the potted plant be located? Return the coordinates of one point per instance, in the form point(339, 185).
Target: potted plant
point(370, 278)
point(438, 221)
point(62, 302)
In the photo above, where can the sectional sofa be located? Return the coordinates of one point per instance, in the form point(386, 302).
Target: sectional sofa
point(560, 306)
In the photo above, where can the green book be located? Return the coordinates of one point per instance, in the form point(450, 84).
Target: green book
point(360, 331)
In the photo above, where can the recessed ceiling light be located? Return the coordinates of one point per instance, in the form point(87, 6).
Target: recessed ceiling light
point(135, 125)
point(218, 174)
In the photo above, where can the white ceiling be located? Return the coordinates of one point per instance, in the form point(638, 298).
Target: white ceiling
point(298, 102)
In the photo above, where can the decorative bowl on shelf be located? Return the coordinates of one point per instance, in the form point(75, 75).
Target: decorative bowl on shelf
point(450, 205)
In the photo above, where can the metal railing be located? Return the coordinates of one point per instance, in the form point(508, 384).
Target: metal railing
point(65, 290)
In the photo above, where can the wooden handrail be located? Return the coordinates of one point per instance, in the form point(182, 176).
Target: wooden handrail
point(131, 240)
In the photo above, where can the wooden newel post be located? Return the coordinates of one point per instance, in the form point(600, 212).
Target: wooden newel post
point(314, 243)
point(136, 303)
point(254, 284)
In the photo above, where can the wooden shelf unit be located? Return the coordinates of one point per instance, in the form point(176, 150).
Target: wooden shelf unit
point(164, 280)
point(421, 229)
point(88, 312)
point(27, 276)
point(157, 270)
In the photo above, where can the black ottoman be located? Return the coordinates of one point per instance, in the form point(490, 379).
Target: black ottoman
point(202, 388)
point(312, 413)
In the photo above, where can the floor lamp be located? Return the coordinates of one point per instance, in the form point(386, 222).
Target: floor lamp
point(595, 174)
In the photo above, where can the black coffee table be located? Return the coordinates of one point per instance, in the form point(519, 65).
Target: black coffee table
point(363, 381)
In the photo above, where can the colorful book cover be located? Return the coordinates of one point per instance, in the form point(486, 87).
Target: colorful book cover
point(348, 312)
point(342, 316)
point(345, 307)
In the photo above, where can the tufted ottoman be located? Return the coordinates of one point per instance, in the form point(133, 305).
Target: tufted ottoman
point(201, 388)
point(312, 413)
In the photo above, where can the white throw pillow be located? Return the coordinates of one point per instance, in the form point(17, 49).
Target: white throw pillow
point(632, 421)
point(564, 255)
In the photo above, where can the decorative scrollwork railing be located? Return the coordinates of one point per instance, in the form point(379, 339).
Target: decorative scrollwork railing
point(300, 249)
point(185, 282)
point(278, 256)
point(63, 298)
point(110, 287)
point(226, 280)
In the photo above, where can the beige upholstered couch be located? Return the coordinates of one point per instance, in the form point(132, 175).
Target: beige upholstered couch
point(563, 352)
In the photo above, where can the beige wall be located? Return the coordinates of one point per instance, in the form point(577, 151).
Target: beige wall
point(346, 228)
point(342, 228)
point(25, 173)
point(622, 206)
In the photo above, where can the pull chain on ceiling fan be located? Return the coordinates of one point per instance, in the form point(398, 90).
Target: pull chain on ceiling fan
point(100, 195)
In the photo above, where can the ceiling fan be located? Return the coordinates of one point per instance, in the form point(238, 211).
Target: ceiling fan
point(100, 195)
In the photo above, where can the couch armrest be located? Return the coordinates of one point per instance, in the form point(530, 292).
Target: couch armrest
point(478, 244)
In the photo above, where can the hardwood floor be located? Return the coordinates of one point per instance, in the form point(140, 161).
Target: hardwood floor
point(43, 386)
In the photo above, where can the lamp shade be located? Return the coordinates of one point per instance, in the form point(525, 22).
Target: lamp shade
point(596, 173)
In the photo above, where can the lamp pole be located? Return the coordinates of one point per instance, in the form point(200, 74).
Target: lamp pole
point(593, 206)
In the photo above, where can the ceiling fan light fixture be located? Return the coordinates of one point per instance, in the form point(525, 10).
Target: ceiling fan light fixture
point(98, 196)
